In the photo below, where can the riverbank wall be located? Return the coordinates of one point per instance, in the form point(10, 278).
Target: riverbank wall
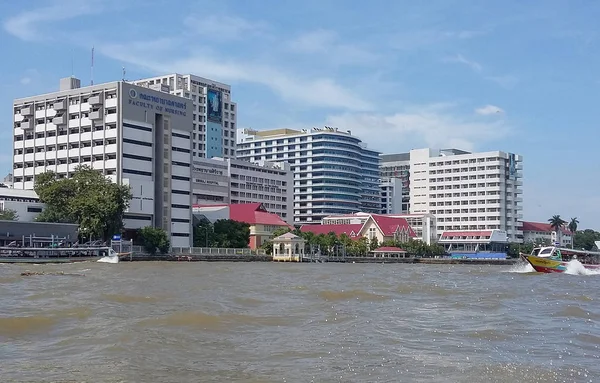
point(268, 258)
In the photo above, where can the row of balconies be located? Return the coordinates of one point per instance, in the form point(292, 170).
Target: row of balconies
point(61, 105)
point(66, 153)
point(64, 139)
point(59, 168)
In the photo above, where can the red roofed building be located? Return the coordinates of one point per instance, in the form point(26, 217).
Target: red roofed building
point(262, 223)
point(382, 227)
point(540, 232)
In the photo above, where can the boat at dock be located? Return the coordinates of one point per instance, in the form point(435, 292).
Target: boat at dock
point(553, 259)
point(10, 254)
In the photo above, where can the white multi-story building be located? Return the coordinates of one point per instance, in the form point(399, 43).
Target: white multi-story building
point(397, 167)
point(391, 195)
point(543, 233)
point(227, 181)
point(136, 136)
point(213, 113)
point(468, 191)
point(25, 203)
point(334, 172)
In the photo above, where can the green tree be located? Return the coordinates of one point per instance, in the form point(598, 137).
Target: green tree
point(203, 234)
point(573, 229)
point(310, 241)
point(8, 215)
point(281, 231)
point(154, 239)
point(585, 239)
point(373, 244)
point(360, 247)
point(557, 223)
point(88, 199)
point(514, 249)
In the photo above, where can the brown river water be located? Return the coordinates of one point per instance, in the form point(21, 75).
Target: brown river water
point(271, 322)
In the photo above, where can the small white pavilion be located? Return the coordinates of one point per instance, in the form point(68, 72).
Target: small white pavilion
point(288, 247)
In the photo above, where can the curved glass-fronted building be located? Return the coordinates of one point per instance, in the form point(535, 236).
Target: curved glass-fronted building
point(334, 172)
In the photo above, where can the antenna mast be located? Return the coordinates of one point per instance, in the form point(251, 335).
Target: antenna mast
point(92, 70)
point(123, 74)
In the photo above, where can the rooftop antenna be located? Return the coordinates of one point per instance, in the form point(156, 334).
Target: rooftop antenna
point(72, 64)
point(123, 73)
point(92, 70)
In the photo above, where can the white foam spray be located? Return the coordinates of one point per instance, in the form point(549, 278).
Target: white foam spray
point(521, 267)
point(109, 259)
point(576, 268)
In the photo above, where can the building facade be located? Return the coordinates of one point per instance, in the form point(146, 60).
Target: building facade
point(541, 233)
point(334, 172)
point(25, 203)
point(392, 196)
point(468, 191)
point(135, 136)
point(370, 226)
point(397, 167)
point(229, 181)
point(214, 115)
point(423, 225)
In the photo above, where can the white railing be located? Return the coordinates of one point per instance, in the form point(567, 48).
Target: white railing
point(215, 251)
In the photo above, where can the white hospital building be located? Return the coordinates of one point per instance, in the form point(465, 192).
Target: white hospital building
point(213, 114)
point(468, 191)
point(135, 135)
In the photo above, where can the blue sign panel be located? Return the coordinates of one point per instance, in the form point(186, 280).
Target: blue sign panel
point(215, 106)
point(116, 237)
point(512, 166)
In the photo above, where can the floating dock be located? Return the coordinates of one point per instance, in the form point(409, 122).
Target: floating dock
point(52, 254)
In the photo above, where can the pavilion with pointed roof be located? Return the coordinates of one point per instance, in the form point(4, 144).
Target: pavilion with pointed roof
point(288, 247)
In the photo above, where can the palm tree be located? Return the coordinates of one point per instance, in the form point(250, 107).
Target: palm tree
point(573, 228)
point(557, 223)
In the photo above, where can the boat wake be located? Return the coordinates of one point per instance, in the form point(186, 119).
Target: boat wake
point(575, 267)
point(521, 267)
point(109, 259)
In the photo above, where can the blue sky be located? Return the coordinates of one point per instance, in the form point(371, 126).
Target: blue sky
point(493, 75)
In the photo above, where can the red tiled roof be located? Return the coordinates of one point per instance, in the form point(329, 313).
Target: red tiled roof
point(389, 249)
point(466, 234)
point(254, 213)
point(389, 225)
point(540, 226)
point(351, 230)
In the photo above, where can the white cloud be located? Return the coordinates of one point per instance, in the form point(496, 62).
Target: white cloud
point(26, 26)
point(26, 80)
point(220, 28)
point(436, 126)
point(317, 92)
point(474, 65)
point(327, 44)
point(489, 109)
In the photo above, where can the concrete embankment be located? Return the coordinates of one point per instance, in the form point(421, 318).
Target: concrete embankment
point(268, 258)
point(196, 258)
